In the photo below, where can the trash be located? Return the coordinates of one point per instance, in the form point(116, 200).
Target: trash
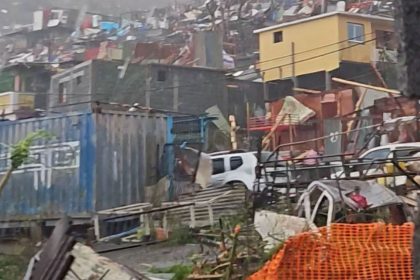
point(237, 249)
point(338, 202)
point(89, 265)
point(294, 112)
point(62, 258)
point(275, 228)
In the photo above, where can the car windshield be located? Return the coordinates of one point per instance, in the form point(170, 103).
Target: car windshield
point(378, 154)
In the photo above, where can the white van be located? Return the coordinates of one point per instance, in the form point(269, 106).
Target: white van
point(233, 167)
point(239, 167)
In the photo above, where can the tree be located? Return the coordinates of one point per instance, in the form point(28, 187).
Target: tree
point(20, 153)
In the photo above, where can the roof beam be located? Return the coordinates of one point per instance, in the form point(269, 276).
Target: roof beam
point(357, 84)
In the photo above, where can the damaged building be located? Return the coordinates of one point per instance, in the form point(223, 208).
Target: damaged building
point(341, 44)
point(167, 87)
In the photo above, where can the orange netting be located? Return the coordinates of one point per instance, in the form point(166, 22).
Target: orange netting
point(345, 251)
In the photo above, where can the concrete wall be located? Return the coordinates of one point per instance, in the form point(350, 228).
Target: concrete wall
point(75, 86)
point(186, 89)
point(320, 44)
point(363, 52)
point(159, 86)
point(308, 38)
point(358, 52)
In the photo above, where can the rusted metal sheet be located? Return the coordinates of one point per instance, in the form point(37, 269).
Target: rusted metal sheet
point(156, 51)
point(94, 161)
point(389, 105)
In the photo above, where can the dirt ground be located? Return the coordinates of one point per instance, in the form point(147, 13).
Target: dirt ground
point(160, 255)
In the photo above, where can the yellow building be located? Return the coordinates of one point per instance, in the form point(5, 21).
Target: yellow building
point(11, 102)
point(322, 43)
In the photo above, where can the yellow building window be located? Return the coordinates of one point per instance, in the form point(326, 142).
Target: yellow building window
point(355, 32)
point(278, 37)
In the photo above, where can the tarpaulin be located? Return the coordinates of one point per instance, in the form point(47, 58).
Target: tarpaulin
point(294, 112)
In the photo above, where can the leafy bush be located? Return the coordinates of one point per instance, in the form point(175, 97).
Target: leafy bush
point(181, 271)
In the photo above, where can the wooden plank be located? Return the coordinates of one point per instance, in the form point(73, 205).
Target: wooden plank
point(305, 90)
point(357, 84)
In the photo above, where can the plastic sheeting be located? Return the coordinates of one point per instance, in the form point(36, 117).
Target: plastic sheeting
point(294, 112)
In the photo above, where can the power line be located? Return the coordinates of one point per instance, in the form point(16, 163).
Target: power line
point(245, 74)
point(14, 104)
point(317, 56)
point(79, 95)
point(310, 50)
point(212, 82)
point(276, 67)
point(74, 96)
point(360, 75)
point(106, 102)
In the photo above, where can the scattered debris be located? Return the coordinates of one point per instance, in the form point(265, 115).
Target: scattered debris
point(275, 228)
point(62, 258)
point(331, 201)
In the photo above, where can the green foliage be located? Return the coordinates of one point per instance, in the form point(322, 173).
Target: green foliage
point(181, 271)
point(230, 222)
point(270, 254)
point(20, 151)
point(11, 267)
point(181, 236)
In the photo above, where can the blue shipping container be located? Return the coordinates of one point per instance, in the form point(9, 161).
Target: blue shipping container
point(96, 161)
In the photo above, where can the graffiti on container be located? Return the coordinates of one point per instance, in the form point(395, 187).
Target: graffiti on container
point(45, 159)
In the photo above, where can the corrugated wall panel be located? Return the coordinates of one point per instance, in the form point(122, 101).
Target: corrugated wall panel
point(96, 161)
point(59, 176)
point(128, 151)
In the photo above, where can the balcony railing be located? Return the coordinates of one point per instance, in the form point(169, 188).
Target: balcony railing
point(264, 124)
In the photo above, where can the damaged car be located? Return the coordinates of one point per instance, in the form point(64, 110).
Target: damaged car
point(350, 201)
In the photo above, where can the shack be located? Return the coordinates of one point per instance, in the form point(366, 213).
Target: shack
point(94, 161)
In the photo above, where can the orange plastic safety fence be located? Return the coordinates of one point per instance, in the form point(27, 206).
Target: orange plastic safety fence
point(344, 251)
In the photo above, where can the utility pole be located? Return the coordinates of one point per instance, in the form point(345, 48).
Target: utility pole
point(294, 65)
point(148, 86)
point(176, 92)
point(407, 22)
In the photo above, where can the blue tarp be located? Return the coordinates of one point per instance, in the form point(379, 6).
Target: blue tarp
point(108, 25)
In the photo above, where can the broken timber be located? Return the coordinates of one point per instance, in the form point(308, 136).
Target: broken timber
point(357, 84)
point(202, 208)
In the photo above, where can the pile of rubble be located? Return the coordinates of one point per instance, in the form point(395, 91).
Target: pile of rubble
point(166, 35)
